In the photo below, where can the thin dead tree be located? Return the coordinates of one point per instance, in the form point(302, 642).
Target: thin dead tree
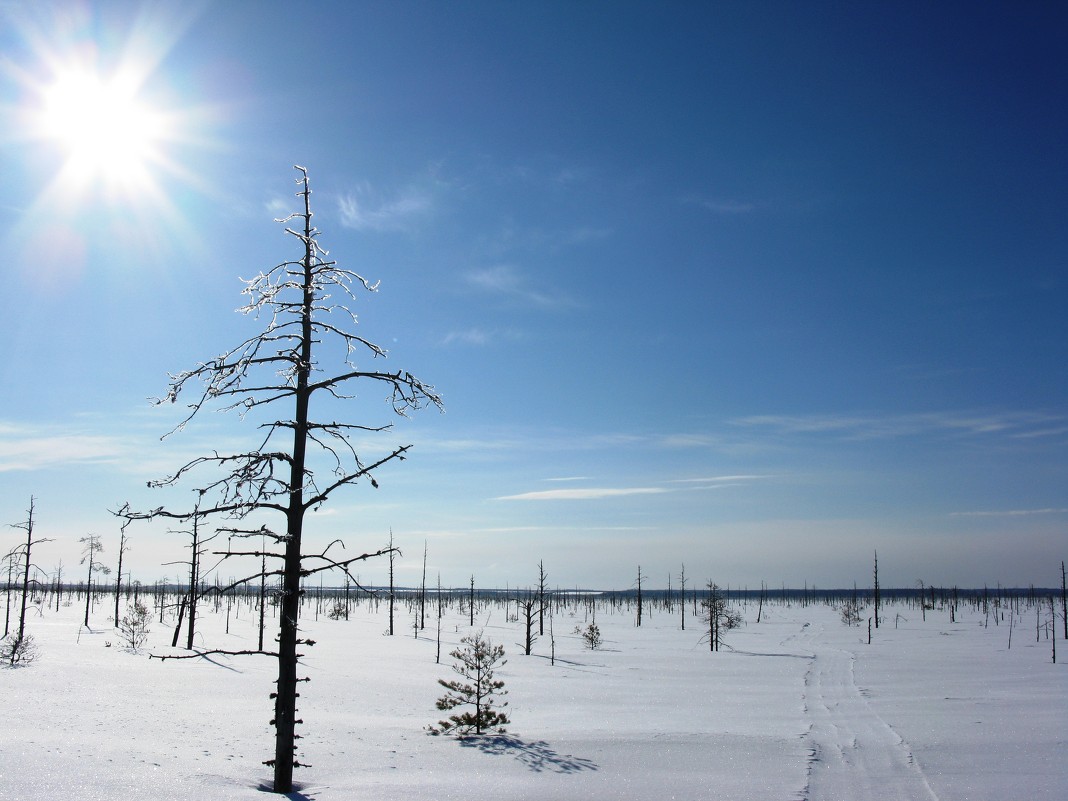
point(640, 577)
point(527, 606)
point(300, 460)
point(876, 592)
point(543, 584)
point(22, 552)
point(91, 548)
point(1064, 601)
point(123, 548)
point(198, 546)
point(392, 588)
point(682, 596)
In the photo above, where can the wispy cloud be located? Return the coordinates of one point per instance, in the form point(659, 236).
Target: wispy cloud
point(478, 337)
point(470, 336)
point(366, 209)
point(586, 494)
point(720, 205)
point(688, 440)
point(717, 479)
point(27, 449)
point(1011, 513)
point(506, 280)
point(1016, 424)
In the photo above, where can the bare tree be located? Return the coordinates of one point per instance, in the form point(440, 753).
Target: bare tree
point(718, 616)
point(1064, 601)
point(471, 601)
point(422, 591)
point(876, 593)
point(392, 588)
point(198, 545)
point(543, 580)
point(299, 460)
point(682, 595)
point(91, 548)
point(123, 547)
point(19, 646)
point(638, 622)
point(528, 605)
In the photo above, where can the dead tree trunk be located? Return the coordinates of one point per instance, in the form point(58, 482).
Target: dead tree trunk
point(392, 591)
point(286, 699)
point(277, 367)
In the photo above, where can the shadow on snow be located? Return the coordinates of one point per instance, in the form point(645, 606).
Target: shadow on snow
point(536, 755)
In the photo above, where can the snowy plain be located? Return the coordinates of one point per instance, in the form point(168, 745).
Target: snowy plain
point(797, 707)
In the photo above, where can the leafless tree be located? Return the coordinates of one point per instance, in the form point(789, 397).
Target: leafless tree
point(91, 548)
point(1064, 601)
point(123, 548)
point(528, 607)
point(392, 588)
point(640, 577)
point(198, 546)
point(422, 591)
point(22, 553)
point(299, 460)
point(876, 592)
point(682, 595)
point(543, 581)
point(718, 616)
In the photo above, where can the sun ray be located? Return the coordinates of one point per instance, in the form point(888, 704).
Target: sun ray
point(110, 146)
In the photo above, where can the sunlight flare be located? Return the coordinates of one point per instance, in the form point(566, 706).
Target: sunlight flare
point(106, 131)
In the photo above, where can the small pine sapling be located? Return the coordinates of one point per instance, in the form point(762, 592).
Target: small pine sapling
point(850, 613)
point(134, 626)
point(591, 636)
point(476, 659)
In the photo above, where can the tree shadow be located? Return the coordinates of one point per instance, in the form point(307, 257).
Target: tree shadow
point(296, 794)
point(536, 755)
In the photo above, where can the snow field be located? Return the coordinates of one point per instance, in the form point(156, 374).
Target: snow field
point(799, 708)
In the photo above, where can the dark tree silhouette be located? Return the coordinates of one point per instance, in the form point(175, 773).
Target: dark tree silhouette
point(528, 605)
point(20, 647)
point(543, 589)
point(682, 596)
point(299, 460)
point(123, 548)
point(718, 616)
point(876, 592)
point(91, 548)
point(392, 588)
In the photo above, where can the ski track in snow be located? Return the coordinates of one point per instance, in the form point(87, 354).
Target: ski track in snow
point(854, 754)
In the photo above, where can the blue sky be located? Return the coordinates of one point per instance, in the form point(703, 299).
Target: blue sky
point(754, 287)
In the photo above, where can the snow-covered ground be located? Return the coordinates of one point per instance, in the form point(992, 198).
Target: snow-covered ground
point(798, 707)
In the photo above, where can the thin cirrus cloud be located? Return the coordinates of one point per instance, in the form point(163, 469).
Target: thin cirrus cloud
point(1016, 424)
point(721, 205)
point(36, 452)
point(364, 210)
point(478, 337)
point(470, 336)
point(1011, 513)
point(507, 281)
point(584, 494)
point(734, 479)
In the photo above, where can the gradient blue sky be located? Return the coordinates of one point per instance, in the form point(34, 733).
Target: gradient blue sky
point(754, 287)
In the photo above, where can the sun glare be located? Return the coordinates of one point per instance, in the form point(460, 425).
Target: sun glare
point(105, 131)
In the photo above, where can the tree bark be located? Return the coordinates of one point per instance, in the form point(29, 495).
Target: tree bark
point(286, 700)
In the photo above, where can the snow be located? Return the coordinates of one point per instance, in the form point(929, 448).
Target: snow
point(798, 707)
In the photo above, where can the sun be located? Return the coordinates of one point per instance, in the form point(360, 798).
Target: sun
point(106, 132)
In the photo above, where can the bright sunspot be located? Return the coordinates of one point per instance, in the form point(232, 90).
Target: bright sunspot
point(105, 131)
